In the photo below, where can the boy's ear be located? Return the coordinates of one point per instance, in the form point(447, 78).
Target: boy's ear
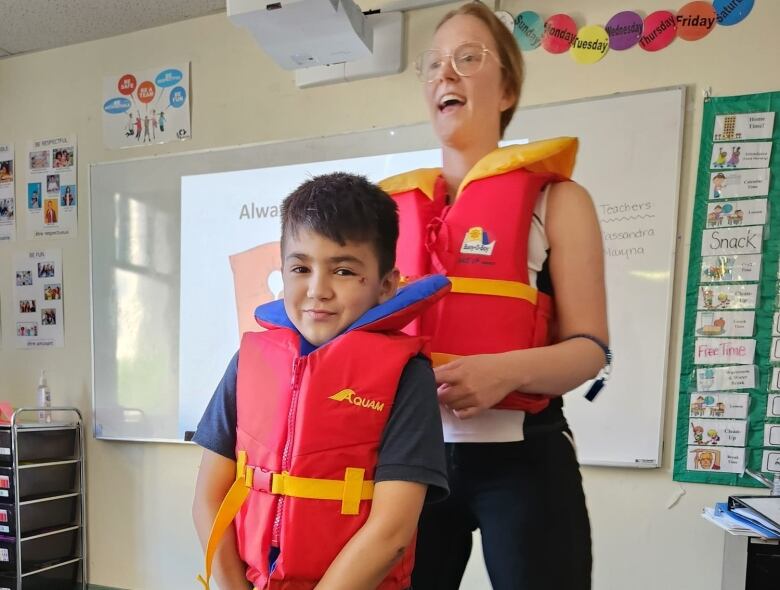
point(389, 285)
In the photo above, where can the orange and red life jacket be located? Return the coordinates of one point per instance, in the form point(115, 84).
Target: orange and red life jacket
point(480, 243)
point(309, 425)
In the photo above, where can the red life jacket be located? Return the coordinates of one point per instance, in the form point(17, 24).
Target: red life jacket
point(481, 244)
point(308, 434)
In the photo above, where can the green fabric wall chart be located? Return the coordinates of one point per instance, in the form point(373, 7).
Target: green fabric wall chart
point(728, 405)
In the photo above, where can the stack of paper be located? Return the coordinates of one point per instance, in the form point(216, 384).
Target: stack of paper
point(759, 511)
point(737, 523)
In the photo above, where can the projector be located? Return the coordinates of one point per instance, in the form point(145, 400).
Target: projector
point(305, 33)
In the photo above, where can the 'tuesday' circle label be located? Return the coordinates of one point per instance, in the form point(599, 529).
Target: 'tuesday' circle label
point(591, 44)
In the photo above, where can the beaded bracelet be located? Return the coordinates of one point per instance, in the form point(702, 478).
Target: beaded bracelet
point(598, 384)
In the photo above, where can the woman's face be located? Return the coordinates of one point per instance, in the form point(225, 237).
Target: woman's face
point(474, 103)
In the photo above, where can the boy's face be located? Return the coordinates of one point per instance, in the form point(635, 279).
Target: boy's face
point(328, 286)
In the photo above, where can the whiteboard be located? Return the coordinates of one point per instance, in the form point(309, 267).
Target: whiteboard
point(629, 160)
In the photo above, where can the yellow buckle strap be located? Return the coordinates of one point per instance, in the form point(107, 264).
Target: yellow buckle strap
point(494, 287)
point(442, 358)
point(351, 490)
point(234, 499)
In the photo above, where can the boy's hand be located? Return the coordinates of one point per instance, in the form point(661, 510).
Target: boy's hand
point(368, 557)
point(215, 476)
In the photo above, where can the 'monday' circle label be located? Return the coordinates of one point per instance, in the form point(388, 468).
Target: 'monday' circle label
point(560, 30)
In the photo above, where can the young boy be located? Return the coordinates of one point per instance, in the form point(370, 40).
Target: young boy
point(324, 433)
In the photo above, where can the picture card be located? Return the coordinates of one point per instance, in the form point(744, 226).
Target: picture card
point(719, 405)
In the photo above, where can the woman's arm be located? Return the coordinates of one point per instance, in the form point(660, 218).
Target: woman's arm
point(471, 384)
point(369, 555)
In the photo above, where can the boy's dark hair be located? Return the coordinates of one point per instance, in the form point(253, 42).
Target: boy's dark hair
point(345, 207)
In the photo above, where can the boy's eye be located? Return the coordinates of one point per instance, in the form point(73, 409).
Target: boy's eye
point(299, 269)
point(344, 272)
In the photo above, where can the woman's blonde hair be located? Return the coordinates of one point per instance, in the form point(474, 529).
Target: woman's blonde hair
point(508, 52)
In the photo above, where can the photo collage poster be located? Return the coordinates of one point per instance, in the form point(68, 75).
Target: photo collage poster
point(38, 299)
point(51, 199)
point(7, 194)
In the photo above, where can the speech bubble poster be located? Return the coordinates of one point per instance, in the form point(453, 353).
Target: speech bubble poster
point(147, 107)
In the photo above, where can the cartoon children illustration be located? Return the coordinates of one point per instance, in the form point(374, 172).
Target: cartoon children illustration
point(734, 159)
point(736, 217)
point(714, 438)
point(720, 161)
point(718, 410)
point(698, 434)
point(718, 183)
point(723, 300)
point(697, 406)
point(715, 217)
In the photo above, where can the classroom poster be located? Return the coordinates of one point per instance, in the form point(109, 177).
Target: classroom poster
point(38, 299)
point(145, 107)
point(51, 190)
point(728, 415)
point(7, 200)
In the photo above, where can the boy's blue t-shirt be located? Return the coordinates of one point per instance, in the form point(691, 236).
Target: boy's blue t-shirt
point(412, 445)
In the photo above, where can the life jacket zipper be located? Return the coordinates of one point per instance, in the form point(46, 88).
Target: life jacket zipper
point(295, 387)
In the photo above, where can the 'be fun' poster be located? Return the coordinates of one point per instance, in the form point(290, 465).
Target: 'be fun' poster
point(146, 107)
point(38, 299)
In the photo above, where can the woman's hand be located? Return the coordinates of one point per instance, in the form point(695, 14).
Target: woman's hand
point(470, 384)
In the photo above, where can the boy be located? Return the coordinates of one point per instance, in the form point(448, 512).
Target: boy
point(330, 407)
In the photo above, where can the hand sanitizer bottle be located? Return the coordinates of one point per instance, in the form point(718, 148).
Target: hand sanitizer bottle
point(44, 400)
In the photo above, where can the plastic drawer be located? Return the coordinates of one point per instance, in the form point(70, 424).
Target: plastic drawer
point(63, 577)
point(39, 445)
point(7, 553)
point(40, 516)
point(39, 481)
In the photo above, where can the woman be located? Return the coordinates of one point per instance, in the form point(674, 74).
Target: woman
point(67, 197)
point(509, 230)
point(50, 214)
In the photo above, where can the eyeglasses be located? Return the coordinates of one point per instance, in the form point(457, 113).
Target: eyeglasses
point(466, 59)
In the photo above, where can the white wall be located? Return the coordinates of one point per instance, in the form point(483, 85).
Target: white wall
point(139, 494)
